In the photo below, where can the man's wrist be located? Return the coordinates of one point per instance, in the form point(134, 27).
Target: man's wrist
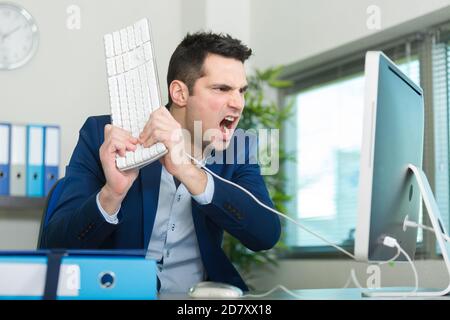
point(194, 179)
point(109, 200)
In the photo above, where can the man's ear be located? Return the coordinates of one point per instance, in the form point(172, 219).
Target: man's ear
point(179, 92)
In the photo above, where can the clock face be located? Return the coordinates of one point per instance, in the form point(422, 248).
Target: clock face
point(18, 36)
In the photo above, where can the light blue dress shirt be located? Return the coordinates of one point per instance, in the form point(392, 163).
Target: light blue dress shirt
point(173, 243)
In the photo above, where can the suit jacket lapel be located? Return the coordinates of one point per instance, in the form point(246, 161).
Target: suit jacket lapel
point(150, 182)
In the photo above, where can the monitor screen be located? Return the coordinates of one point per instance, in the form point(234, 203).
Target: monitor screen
point(392, 139)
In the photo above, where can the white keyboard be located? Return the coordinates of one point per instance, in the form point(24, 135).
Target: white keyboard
point(133, 88)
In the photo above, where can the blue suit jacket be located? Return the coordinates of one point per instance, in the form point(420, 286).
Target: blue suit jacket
point(78, 224)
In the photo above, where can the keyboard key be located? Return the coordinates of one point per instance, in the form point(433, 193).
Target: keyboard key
point(130, 90)
point(153, 151)
point(146, 153)
point(138, 157)
point(109, 45)
point(153, 86)
point(117, 43)
point(137, 34)
point(124, 39)
point(114, 119)
point(131, 39)
point(121, 162)
point(160, 147)
point(111, 66)
point(148, 51)
point(112, 86)
point(144, 30)
point(119, 64)
point(122, 86)
point(126, 62)
point(129, 155)
point(133, 60)
point(139, 54)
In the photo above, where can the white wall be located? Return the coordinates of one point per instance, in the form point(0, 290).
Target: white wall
point(284, 32)
point(66, 81)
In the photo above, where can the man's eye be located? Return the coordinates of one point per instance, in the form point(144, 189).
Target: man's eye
point(221, 89)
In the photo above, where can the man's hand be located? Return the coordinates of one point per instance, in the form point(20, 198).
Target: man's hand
point(162, 127)
point(117, 141)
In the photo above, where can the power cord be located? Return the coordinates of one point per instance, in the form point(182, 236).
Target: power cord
point(273, 290)
point(271, 209)
point(355, 279)
point(408, 223)
point(391, 242)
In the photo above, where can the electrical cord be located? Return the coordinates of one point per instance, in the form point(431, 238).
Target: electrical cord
point(272, 290)
point(409, 223)
point(391, 242)
point(271, 209)
point(355, 279)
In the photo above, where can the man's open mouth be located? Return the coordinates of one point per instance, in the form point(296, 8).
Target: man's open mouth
point(226, 126)
point(228, 122)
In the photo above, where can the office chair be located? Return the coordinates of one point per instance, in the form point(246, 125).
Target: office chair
point(49, 209)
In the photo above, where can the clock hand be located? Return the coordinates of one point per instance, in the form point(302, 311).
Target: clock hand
point(4, 36)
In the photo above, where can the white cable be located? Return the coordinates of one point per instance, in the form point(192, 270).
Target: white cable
point(391, 242)
point(416, 277)
point(409, 223)
point(391, 259)
point(272, 290)
point(355, 279)
point(271, 209)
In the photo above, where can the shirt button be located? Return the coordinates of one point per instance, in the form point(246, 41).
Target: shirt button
point(168, 253)
point(173, 227)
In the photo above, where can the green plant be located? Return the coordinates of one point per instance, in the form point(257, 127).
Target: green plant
point(262, 113)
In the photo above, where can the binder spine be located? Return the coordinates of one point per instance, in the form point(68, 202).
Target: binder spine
point(5, 155)
point(51, 157)
point(35, 165)
point(18, 147)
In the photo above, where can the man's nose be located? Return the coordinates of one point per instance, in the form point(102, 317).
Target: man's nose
point(237, 100)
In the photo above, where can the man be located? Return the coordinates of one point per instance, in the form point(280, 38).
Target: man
point(172, 208)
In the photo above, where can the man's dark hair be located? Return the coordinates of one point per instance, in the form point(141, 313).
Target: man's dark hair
point(186, 63)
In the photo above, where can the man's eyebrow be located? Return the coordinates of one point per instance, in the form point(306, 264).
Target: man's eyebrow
point(228, 87)
point(222, 85)
point(244, 88)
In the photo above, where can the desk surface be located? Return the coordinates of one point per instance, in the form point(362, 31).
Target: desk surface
point(308, 294)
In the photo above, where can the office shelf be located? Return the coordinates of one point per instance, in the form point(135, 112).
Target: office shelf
point(17, 203)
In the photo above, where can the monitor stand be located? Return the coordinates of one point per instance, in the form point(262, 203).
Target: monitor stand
point(436, 222)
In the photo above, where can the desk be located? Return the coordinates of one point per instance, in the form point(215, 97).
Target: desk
point(308, 294)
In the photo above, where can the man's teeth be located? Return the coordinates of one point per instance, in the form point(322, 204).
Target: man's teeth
point(229, 118)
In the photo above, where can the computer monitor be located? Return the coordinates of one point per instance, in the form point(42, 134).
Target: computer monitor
point(392, 139)
point(392, 183)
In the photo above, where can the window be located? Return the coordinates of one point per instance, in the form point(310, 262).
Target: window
point(327, 127)
point(441, 104)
